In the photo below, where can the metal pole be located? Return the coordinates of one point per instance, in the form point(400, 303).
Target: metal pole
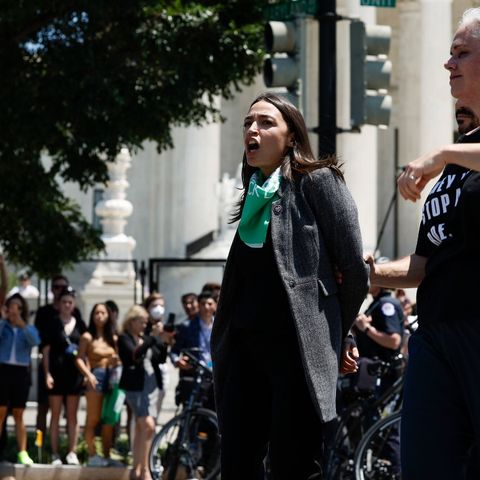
point(396, 220)
point(327, 78)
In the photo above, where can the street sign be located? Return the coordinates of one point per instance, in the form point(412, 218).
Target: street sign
point(288, 10)
point(378, 3)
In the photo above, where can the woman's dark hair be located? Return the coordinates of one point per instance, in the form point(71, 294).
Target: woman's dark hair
point(112, 306)
point(299, 159)
point(23, 304)
point(108, 329)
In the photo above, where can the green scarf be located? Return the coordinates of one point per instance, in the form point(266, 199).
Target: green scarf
point(257, 211)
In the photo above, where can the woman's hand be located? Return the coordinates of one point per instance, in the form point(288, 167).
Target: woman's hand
point(114, 361)
point(91, 381)
point(49, 382)
point(418, 173)
point(19, 322)
point(182, 363)
point(349, 357)
point(167, 337)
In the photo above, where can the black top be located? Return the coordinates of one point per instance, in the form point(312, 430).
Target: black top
point(261, 302)
point(45, 315)
point(448, 236)
point(387, 317)
point(67, 378)
point(131, 354)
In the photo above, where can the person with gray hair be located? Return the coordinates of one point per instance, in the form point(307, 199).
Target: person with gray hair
point(441, 410)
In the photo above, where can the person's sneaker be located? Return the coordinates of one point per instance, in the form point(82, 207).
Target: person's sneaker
point(56, 460)
point(72, 459)
point(24, 458)
point(97, 461)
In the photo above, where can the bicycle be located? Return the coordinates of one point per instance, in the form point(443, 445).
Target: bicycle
point(188, 446)
point(359, 417)
point(371, 457)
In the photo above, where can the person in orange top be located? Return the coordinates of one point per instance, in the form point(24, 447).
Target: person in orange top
point(97, 355)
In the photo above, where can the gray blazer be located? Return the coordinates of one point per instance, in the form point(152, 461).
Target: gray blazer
point(314, 228)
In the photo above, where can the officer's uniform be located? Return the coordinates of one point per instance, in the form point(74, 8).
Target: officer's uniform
point(387, 317)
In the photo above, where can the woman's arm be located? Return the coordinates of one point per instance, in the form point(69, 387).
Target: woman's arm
point(148, 342)
point(46, 367)
point(80, 360)
point(31, 335)
point(336, 215)
point(406, 272)
point(420, 171)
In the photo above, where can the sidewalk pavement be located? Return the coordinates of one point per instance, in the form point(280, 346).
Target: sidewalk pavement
point(68, 472)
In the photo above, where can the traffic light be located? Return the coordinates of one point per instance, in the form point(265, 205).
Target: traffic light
point(281, 68)
point(370, 72)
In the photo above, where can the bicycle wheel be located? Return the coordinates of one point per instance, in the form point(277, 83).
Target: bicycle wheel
point(377, 456)
point(181, 451)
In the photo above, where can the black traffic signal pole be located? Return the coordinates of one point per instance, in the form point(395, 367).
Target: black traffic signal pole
point(327, 78)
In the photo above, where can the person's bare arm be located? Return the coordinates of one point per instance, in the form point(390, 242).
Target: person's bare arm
point(46, 367)
point(387, 340)
point(405, 272)
point(81, 360)
point(420, 171)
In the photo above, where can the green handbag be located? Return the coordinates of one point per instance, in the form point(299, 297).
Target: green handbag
point(112, 405)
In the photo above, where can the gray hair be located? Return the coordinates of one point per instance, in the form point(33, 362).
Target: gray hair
point(471, 17)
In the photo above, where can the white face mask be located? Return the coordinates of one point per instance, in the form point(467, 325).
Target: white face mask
point(157, 311)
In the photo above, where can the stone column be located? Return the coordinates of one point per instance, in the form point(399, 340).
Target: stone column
point(114, 280)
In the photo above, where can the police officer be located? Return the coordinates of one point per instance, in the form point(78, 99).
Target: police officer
point(380, 328)
point(379, 335)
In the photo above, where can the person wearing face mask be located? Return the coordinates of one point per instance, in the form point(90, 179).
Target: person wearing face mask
point(154, 304)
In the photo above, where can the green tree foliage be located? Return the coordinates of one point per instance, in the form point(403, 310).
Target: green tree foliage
point(81, 78)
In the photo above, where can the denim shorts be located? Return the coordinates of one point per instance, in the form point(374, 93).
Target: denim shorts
point(102, 376)
point(144, 403)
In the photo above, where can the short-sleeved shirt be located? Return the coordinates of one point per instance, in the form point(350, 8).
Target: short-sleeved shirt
point(45, 316)
point(67, 378)
point(387, 317)
point(448, 237)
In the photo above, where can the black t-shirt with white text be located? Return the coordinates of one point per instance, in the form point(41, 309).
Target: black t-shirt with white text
point(448, 237)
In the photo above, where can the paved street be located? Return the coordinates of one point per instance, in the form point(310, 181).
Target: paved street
point(66, 472)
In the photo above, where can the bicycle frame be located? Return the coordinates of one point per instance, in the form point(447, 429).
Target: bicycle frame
point(351, 420)
point(181, 448)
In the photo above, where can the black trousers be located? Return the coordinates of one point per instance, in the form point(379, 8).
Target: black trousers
point(441, 410)
point(268, 407)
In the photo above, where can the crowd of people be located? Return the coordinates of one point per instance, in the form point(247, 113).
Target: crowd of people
point(287, 319)
point(94, 359)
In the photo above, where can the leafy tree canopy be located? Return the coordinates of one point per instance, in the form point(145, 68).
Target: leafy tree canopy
point(82, 78)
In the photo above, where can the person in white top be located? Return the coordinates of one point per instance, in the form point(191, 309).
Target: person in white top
point(25, 288)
